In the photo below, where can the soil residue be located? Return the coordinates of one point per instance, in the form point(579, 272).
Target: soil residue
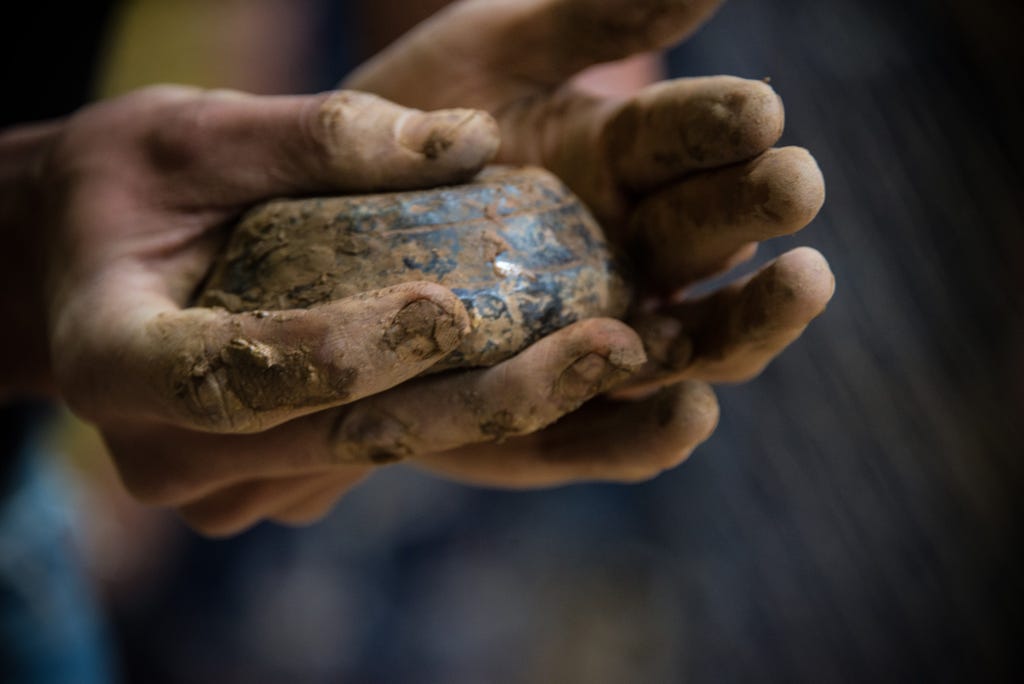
point(523, 254)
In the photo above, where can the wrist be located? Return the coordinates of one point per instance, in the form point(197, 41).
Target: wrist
point(24, 234)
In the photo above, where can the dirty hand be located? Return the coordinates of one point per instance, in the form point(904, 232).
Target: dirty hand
point(111, 218)
point(682, 175)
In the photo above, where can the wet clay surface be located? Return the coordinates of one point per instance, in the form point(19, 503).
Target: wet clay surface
point(521, 252)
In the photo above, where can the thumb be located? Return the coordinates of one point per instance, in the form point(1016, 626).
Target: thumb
point(533, 44)
point(137, 357)
point(243, 148)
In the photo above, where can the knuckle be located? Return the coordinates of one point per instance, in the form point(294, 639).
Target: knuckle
point(522, 407)
point(505, 423)
point(204, 398)
point(180, 135)
point(228, 382)
point(329, 122)
point(84, 145)
point(223, 380)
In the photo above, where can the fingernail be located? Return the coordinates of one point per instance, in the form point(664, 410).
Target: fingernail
point(587, 376)
point(369, 436)
point(467, 137)
point(421, 330)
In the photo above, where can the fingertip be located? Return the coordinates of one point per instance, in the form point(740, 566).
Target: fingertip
point(782, 299)
point(742, 118)
point(600, 353)
point(789, 186)
point(696, 411)
point(804, 279)
point(676, 127)
point(762, 107)
point(430, 320)
point(684, 416)
point(459, 141)
point(613, 339)
point(370, 143)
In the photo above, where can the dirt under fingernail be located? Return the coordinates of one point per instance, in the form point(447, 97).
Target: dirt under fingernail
point(421, 330)
point(434, 133)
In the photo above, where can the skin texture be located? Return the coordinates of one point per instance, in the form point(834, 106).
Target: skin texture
point(126, 200)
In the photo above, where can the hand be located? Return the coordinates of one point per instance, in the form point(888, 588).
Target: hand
point(681, 175)
point(114, 215)
point(223, 483)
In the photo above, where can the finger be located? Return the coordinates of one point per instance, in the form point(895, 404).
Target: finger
point(536, 44)
point(606, 440)
point(739, 331)
point(676, 127)
point(239, 148)
point(173, 467)
point(207, 369)
point(237, 508)
point(609, 441)
point(689, 230)
point(573, 34)
point(526, 393)
point(732, 335)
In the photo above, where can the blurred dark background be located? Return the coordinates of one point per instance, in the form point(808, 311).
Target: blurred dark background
point(855, 517)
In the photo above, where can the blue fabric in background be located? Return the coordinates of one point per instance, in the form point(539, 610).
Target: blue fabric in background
point(51, 629)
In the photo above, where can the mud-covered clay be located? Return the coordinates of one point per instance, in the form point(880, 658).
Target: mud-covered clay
point(521, 252)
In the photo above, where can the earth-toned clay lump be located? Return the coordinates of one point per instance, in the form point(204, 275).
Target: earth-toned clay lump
point(521, 252)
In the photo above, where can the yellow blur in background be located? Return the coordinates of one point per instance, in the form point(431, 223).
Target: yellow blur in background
point(259, 46)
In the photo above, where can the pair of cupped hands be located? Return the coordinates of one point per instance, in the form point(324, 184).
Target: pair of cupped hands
point(126, 200)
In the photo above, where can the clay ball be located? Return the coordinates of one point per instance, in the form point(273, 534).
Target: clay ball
point(517, 247)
